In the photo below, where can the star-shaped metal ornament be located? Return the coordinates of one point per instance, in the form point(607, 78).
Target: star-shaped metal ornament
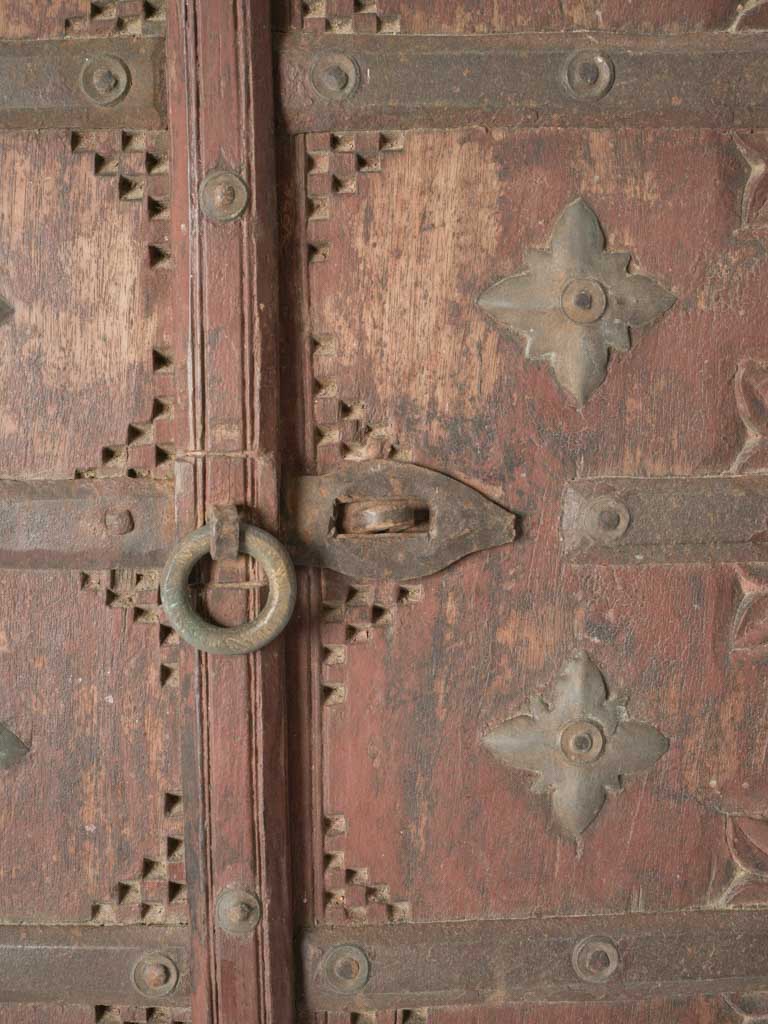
point(580, 747)
point(575, 302)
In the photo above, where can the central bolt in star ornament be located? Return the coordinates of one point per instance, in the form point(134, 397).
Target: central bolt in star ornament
point(576, 301)
point(579, 747)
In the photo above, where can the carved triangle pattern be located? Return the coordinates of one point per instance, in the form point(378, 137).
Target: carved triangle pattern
point(116, 17)
point(136, 165)
point(342, 429)
point(351, 895)
point(335, 165)
point(136, 594)
point(347, 16)
point(351, 614)
point(142, 1015)
point(159, 894)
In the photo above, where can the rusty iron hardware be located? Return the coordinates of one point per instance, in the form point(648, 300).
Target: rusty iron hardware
point(83, 83)
point(224, 196)
point(595, 960)
point(575, 302)
point(155, 974)
point(85, 524)
point(334, 76)
point(238, 911)
point(390, 520)
point(251, 636)
point(105, 79)
point(579, 746)
point(346, 969)
point(130, 966)
point(224, 521)
point(666, 520)
point(713, 80)
point(539, 960)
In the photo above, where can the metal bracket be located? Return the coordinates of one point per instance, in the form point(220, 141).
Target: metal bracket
point(390, 520)
point(567, 959)
point(666, 520)
point(83, 83)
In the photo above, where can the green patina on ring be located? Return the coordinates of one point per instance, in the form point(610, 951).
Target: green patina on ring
point(251, 636)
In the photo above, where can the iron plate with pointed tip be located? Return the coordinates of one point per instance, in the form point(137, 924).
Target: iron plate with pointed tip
point(451, 521)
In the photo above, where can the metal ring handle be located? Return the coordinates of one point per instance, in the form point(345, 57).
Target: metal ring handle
point(251, 636)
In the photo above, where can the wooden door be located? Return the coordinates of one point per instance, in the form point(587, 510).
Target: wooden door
point(458, 309)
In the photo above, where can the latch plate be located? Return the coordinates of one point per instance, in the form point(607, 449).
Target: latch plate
point(390, 520)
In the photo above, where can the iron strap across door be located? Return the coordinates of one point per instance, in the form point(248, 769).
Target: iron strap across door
point(401, 521)
point(576, 959)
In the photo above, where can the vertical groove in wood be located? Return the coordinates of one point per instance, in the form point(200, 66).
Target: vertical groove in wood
point(221, 85)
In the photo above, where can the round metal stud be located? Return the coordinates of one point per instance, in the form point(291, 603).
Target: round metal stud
point(119, 522)
point(155, 975)
point(346, 969)
point(224, 196)
point(584, 300)
point(251, 636)
point(589, 75)
point(596, 959)
point(105, 80)
point(238, 911)
point(582, 742)
point(334, 76)
point(607, 519)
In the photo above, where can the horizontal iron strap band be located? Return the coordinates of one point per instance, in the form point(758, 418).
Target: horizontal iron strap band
point(629, 521)
point(45, 84)
point(88, 964)
point(708, 80)
point(85, 524)
point(491, 963)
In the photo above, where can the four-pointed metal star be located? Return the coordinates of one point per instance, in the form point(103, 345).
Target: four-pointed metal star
point(580, 747)
point(575, 302)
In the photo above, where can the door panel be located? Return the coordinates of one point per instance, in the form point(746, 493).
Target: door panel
point(485, 284)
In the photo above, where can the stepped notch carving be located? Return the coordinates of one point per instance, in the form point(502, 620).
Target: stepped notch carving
point(579, 747)
point(575, 302)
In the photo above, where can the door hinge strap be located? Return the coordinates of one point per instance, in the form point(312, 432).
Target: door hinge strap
point(666, 520)
point(541, 960)
point(83, 83)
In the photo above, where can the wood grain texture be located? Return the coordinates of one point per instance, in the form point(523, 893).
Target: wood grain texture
point(408, 804)
point(76, 270)
point(479, 16)
point(417, 353)
point(102, 731)
point(226, 347)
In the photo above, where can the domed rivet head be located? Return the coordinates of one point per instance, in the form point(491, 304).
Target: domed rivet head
point(105, 80)
point(346, 968)
point(596, 960)
point(118, 522)
point(155, 975)
point(238, 911)
point(582, 742)
point(584, 300)
point(589, 75)
point(224, 196)
point(334, 76)
point(607, 519)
